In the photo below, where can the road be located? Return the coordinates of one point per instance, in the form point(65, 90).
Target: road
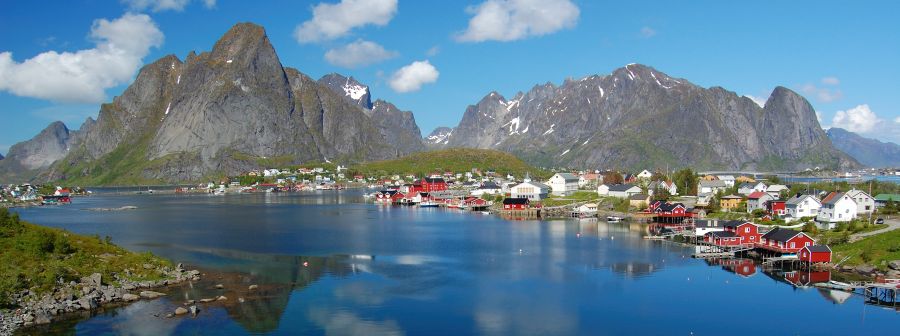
point(893, 224)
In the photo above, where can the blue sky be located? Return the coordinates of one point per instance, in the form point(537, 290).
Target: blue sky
point(59, 61)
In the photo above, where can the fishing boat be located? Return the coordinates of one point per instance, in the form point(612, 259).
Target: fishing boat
point(428, 204)
point(613, 219)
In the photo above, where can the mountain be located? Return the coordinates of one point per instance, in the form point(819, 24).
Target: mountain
point(452, 160)
point(639, 117)
point(226, 111)
point(26, 158)
point(398, 127)
point(870, 152)
point(438, 137)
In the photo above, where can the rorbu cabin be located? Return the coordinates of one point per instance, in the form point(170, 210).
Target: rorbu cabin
point(815, 254)
point(515, 203)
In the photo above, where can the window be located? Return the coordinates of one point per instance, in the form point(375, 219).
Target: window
point(807, 244)
point(793, 245)
point(747, 229)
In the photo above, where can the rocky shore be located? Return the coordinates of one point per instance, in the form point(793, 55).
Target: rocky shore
point(87, 295)
point(869, 271)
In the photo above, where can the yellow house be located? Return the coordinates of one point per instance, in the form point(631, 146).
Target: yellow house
point(727, 203)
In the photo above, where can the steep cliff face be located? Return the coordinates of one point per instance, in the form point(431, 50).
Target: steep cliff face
point(223, 112)
point(638, 117)
point(25, 159)
point(350, 88)
point(870, 152)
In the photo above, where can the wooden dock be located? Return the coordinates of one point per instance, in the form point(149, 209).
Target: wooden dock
point(706, 255)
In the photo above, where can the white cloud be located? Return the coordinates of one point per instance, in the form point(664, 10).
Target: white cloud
point(82, 76)
point(897, 120)
point(331, 21)
point(163, 5)
point(510, 20)
point(831, 80)
point(358, 54)
point(433, 51)
point(413, 76)
point(822, 94)
point(759, 101)
point(859, 119)
point(648, 32)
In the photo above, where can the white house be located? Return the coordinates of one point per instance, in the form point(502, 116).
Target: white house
point(704, 226)
point(776, 189)
point(801, 206)
point(588, 209)
point(622, 190)
point(645, 174)
point(563, 183)
point(728, 179)
point(668, 186)
point(531, 190)
point(836, 207)
point(488, 187)
point(757, 200)
point(711, 187)
point(748, 188)
point(864, 202)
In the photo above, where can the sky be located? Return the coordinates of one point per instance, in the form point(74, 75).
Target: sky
point(61, 60)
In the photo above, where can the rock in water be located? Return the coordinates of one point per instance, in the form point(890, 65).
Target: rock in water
point(151, 294)
point(180, 311)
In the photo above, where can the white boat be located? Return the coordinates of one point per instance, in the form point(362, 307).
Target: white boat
point(613, 219)
point(428, 204)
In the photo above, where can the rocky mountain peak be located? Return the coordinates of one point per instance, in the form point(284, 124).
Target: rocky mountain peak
point(42, 150)
point(440, 135)
point(349, 87)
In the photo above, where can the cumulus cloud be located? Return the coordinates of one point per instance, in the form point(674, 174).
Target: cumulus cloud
point(859, 119)
point(331, 21)
point(648, 32)
point(82, 76)
point(822, 94)
point(510, 20)
point(163, 5)
point(831, 81)
point(413, 76)
point(358, 54)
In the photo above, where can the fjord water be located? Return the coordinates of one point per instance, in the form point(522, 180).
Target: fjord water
point(329, 263)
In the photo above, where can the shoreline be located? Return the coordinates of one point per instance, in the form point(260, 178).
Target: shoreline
point(88, 295)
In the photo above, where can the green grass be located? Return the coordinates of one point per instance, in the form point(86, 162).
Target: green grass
point(35, 257)
point(457, 160)
point(578, 196)
point(874, 250)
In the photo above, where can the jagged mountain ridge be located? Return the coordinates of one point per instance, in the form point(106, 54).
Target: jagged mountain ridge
point(639, 117)
point(233, 108)
point(26, 158)
point(870, 152)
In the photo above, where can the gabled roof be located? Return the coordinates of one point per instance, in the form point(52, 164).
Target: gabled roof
point(638, 197)
point(434, 179)
point(722, 234)
point(888, 197)
point(732, 197)
point(489, 185)
point(757, 195)
point(818, 248)
point(513, 201)
point(712, 184)
point(568, 177)
point(734, 223)
point(620, 187)
point(668, 207)
point(708, 223)
point(833, 198)
point(782, 235)
point(854, 193)
point(799, 198)
point(536, 184)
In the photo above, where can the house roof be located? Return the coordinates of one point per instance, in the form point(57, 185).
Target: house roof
point(854, 193)
point(434, 180)
point(568, 177)
point(668, 207)
point(707, 223)
point(818, 248)
point(712, 184)
point(757, 195)
point(620, 187)
point(832, 197)
point(779, 234)
point(489, 185)
point(732, 197)
point(513, 201)
point(733, 223)
point(536, 184)
point(638, 197)
point(888, 197)
point(799, 198)
point(722, 234)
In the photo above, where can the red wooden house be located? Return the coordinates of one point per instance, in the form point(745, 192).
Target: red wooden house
point(722, 238)
point(775, 208)
point(428, 184)
point(815, 254)
point(515, 203)
point(474, 202)
point(746, 231)
point(785, 240)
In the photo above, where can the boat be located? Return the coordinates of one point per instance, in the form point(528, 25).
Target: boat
point(428, 204)
point(613, 219)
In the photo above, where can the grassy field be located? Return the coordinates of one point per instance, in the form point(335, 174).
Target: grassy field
point(36, 258)
point(579, 196)
point(875, 250)
point(456, 160)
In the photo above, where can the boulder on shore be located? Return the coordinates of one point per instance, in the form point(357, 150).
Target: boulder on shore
point(894, 265)
point(151, 294)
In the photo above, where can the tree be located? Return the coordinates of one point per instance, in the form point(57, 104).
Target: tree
point(686, 180)
point(612, 177)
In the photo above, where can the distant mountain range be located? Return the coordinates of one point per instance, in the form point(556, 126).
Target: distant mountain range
point(638, 117)
point(870, 152)
point(237, 108)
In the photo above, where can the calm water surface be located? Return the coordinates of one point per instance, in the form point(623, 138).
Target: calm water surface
point(328, 263)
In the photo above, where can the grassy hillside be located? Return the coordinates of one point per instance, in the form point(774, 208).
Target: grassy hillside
point(455, 160)
point(35, 257)
point(872, 250)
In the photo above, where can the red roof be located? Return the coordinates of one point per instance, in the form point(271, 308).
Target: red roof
point(830, 196)
point(756, 194)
